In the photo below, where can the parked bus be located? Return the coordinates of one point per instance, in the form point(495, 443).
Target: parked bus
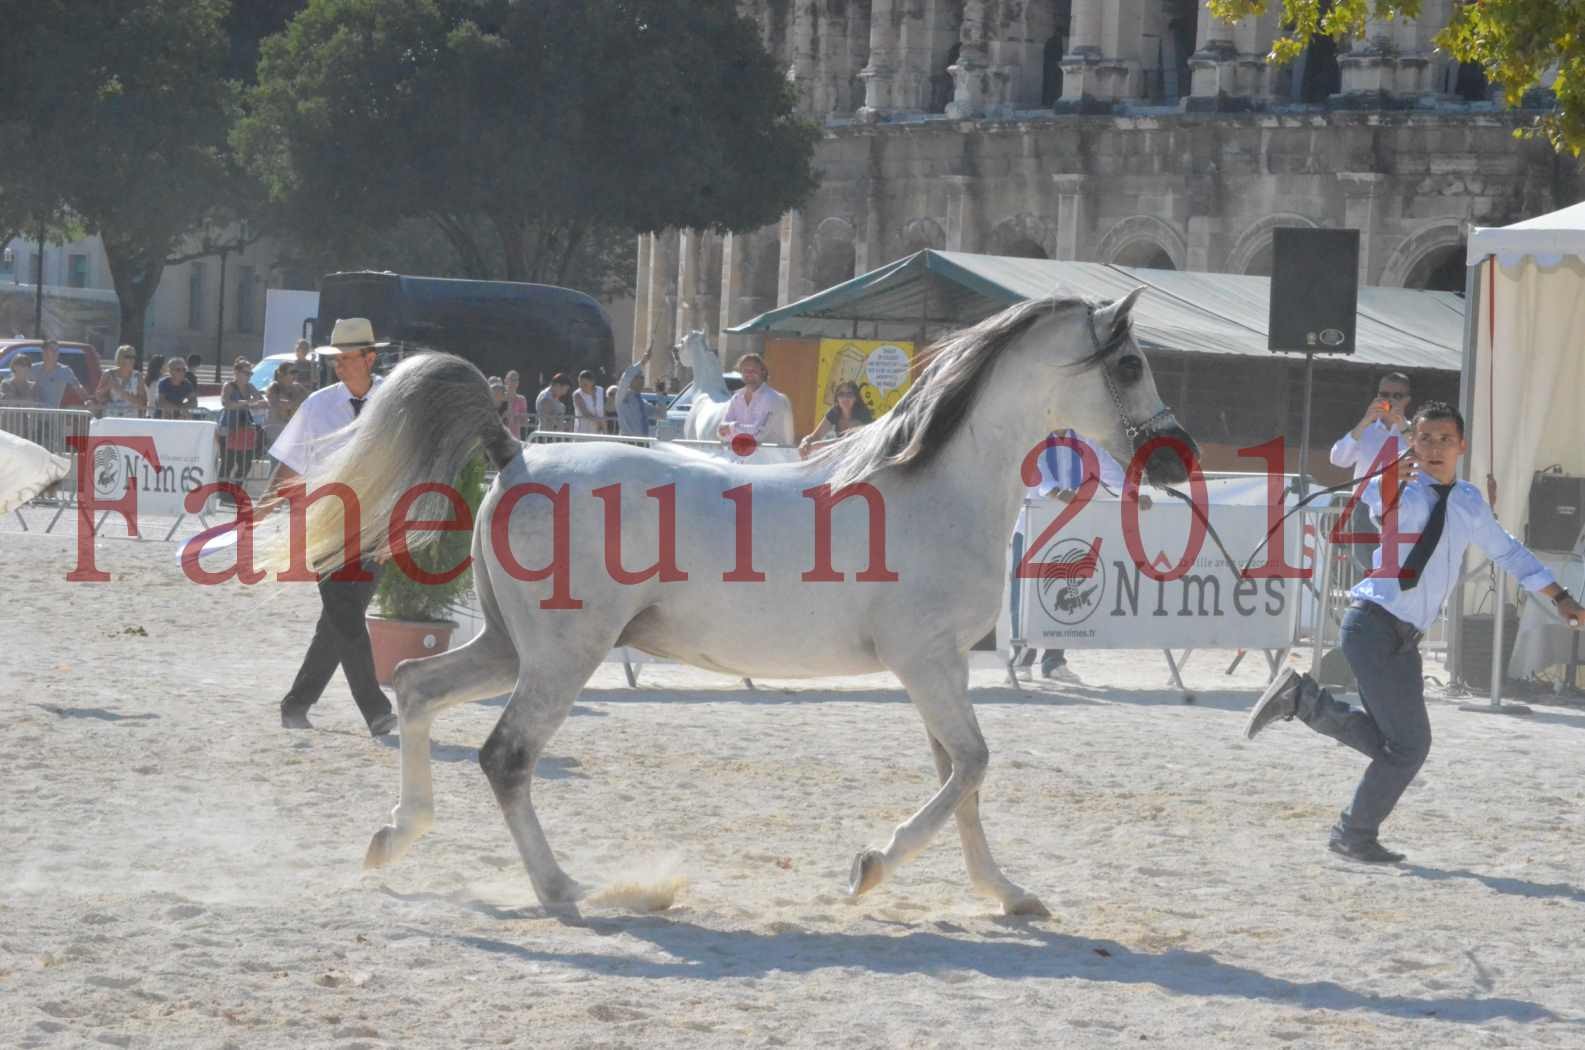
point(537, 329)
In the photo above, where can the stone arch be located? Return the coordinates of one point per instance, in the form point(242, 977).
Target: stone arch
point(1023, 236)
point(1252, 253)
point(919, 234)
point(834, 257)
point(1417, 255)
point(1133, 238)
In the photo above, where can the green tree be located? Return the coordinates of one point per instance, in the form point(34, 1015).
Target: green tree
point(116, 113)
point(1517, 42)
point(534, 137)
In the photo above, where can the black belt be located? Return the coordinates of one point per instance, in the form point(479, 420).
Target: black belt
point(1407, 632)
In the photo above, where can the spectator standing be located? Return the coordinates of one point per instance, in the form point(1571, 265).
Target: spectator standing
point(238, 399)
point(305, 367)
point(20, 388)
point(516, 406)
point(588, 405)
point(121, 392)
point(632, 415)
point(751, 408)
point(847, 413)
point(177, 394)
point(551, 405)
point(195, 365)
point(153, 372)
point(52, 379)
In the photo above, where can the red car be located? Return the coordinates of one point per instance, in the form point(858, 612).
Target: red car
point(81, 358)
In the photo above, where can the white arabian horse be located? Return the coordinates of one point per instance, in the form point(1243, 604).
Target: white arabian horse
point(711, 396)
point(26, 470)
point(908, 592)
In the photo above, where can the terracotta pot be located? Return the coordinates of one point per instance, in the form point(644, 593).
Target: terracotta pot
point(398, 640)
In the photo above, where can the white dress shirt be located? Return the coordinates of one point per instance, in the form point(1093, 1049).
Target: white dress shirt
point(1361, 452)
point(1469, 520)
point(318, 428)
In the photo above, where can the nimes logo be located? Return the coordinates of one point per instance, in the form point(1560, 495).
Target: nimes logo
point(1072, 582)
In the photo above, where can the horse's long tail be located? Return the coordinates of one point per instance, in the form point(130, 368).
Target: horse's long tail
point(424, 422)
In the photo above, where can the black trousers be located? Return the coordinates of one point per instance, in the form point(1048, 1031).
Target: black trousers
point(341, 639)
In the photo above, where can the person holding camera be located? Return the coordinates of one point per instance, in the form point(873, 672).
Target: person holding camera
point(1383, 426)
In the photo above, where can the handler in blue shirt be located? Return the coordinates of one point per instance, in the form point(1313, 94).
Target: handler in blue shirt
point(1438, 517)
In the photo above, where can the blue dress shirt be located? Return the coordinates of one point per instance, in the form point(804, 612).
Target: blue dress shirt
point(1469, 520)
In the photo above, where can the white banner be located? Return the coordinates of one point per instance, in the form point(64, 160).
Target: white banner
point(186, 451)
point(1084, 596)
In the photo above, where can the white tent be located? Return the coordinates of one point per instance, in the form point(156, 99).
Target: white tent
point(1524, 368)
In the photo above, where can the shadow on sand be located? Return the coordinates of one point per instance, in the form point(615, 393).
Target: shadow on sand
point(1019, 950)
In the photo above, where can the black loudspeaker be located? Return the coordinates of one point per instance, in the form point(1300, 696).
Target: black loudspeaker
point(1557, 511)
point(1474, 647)
point(1314, 290)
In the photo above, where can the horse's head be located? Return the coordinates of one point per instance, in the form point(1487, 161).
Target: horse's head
point(693, 350)
point(1112, 397)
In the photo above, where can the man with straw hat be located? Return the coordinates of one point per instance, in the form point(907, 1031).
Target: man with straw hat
point(341, 638)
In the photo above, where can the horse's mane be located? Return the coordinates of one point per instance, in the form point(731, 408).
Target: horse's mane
point(913, 433)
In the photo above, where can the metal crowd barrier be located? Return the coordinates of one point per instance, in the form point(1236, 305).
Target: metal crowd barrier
point(50, 428)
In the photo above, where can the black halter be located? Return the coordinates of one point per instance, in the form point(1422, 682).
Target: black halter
point(1137, 432)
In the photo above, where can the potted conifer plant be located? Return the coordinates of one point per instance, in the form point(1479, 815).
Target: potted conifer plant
point(412, 618)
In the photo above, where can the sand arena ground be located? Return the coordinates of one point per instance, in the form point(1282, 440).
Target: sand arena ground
point(179, 872)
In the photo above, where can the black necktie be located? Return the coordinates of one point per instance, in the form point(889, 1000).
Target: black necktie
point(357, 406)
point(1430, 536)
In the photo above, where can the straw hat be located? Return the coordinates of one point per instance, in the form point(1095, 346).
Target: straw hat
point(350, 333)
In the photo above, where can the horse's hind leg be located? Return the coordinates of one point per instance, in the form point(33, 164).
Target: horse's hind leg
point(539, 706)
point(984, 873)
point(485, 667)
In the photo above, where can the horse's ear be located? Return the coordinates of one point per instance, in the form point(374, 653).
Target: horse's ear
point(1112, 317)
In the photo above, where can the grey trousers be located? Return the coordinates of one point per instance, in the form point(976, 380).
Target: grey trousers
point(1393, 730)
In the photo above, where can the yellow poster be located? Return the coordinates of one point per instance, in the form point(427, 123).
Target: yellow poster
point(881, 368)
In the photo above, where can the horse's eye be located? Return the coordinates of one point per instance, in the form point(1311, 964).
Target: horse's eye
point(1130, 369)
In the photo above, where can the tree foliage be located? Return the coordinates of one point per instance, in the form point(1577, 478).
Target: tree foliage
point(1519, 43)
point(534, 136)
point(116, 114)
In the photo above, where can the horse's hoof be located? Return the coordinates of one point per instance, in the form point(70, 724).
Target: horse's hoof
point(380, 851)
point(1027, 905)
point(868, 870)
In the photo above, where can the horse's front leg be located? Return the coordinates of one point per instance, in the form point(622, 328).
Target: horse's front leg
point(485, 667)
point(938, 685)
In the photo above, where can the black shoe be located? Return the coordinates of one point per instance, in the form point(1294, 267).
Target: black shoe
point(1280, 700)
point(1365, 850)
point(384, 725)
point(293, 718)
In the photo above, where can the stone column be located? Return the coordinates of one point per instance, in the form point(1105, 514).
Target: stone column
point(882, 67)
point(1362, 191)
point(1079, 93)
point(963, 233)
point(687, 281)
point(1073, 216)
point(790, 277)
point(734, 280)
point(641, 319)
point(971, 74)
point(801, 70)
point(1253, 38)
point(662, 295)
point(1369, 64)
point(1213, 67)
point(869, 249)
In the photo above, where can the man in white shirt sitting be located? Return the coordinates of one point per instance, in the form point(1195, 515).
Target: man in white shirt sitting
point(1437, 518)
point(341, 638)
